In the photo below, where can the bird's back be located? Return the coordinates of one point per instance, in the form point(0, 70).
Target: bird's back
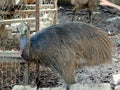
point(72, 36)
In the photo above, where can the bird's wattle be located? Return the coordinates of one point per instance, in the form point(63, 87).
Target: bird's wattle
point(20, 52)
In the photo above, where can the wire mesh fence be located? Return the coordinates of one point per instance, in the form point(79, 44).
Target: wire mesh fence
point(38, 14)
point(15, 71)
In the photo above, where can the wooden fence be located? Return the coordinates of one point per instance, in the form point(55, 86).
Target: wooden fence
point(11, 65)
point(13, 69)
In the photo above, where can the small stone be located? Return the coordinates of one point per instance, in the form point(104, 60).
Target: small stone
point(117, 87)
point(98, 86)
point(116, 78)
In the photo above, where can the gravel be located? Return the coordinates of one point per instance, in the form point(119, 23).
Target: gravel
point(110, 22)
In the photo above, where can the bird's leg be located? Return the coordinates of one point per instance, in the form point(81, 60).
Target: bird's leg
point(67, 87)
point(37, 82)
point(90, 16)
point(74, 13)
point(37, 78)
point(37, 88)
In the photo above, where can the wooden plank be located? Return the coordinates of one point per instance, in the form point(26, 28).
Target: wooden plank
point(17, 20)
point(11, 59)
point(10, 56)
point(42, 10)
point(28, 87)
point(41, 5)
point(100, 86)
point(9, 21)
point(26, 11)
point(32, 6)
point(9, 53)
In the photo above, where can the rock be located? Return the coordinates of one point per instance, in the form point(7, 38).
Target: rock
point(99, 86)
point(117, 87)
point(116, 79)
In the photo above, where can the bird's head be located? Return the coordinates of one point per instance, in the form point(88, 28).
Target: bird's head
point(23, 30)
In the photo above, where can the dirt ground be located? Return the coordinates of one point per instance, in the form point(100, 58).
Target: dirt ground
point(108, 19)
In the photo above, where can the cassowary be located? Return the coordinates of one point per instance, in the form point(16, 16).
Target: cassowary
point(82, 4)
point(66, 47)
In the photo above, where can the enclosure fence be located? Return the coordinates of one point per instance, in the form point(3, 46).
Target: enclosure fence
point(38, 14)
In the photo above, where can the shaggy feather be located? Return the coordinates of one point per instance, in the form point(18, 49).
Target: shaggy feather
point(66, 47)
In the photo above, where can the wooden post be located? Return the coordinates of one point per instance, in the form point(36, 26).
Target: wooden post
point(26, 78)
point(37, 15)
point(55, 15)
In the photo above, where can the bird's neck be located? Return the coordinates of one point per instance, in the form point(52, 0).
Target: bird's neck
point(28, 44)
point(25, 44)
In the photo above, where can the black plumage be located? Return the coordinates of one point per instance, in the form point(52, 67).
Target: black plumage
point(66, 47)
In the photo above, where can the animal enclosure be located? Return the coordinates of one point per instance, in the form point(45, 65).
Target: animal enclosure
point(38, 14)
